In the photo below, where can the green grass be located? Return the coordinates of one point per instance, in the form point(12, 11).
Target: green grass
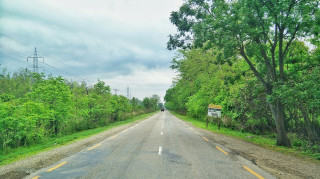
point(23, 152)
point(261, 140)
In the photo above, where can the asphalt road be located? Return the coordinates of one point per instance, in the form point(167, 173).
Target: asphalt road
point(161, 146)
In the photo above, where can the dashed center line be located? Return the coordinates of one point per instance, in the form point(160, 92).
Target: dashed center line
point(57, 166)
point(113, 137)
point(252, 172)
point(222, 150)
point(161, 133)
point(160, 150)
point(94, 146)
point(205, 139)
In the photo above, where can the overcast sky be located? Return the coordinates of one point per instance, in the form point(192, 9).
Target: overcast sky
point(121, 42)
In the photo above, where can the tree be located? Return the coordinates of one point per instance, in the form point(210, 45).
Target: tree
point(259, 31)
point(55, 95)
point(151, 103)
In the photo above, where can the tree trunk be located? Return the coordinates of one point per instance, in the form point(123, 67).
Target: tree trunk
point(277, 111)
point(307, 124)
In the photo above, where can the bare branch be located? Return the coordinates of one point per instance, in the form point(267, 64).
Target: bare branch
point(264, 31)
point(256, 73)
point(289, 9)
point(290, 41)
point(267, 60)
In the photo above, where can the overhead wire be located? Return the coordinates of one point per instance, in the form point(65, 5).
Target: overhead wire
point(16, 59)
point(11, 50)
point(14, 54)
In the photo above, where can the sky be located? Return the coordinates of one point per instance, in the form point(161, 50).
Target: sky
point(120, 42)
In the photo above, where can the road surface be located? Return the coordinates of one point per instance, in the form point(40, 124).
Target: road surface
point(161, 146)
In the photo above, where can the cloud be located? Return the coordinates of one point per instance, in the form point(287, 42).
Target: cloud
point(98, 38)
point(157, 81)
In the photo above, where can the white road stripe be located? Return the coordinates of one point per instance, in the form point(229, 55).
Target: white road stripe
point(160, 150)
point(161, 133)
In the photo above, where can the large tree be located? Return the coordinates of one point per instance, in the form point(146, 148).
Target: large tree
point(259, 31)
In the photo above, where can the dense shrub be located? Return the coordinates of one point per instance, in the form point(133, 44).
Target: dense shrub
point(34, 107)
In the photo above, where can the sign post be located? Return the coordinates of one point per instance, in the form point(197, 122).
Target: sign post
point(214, 111)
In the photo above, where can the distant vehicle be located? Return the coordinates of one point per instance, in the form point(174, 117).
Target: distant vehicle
point(162, 109)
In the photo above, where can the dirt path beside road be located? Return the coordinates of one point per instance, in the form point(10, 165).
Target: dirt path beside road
point(24, 167)
point(276, 163)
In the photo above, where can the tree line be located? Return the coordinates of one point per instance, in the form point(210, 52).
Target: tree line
point(35, 107)
point(259, 59)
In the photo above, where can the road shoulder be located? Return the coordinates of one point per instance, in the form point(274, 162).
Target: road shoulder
point(276, 163)
point(24, 167)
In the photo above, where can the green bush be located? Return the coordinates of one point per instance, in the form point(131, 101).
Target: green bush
point(296, 143)
point(34, 108)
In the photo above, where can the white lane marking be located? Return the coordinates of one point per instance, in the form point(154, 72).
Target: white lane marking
point(160, 150)
point(161, 133)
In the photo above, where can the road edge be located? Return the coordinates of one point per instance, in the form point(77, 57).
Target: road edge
point(24, 167)
point(265, 165)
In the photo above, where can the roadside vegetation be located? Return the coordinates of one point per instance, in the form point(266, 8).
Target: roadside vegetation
point(56, 141)
point(37, 111)
point(265, 140)
point(259, 60)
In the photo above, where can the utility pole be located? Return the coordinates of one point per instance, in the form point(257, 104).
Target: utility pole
point(35, 60)
point(128, 92)
point(115, 91)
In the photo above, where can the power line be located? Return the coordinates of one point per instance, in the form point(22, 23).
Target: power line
point(14, 58)
point(15, 52)
point(64, 72)
point(11, 50)
point(128, 92)
point(115, 91)
point(8, 52)
point(35, 60)
point(18, 56)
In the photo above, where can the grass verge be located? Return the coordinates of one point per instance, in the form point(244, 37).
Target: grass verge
point(260, 140)
point(53, 142)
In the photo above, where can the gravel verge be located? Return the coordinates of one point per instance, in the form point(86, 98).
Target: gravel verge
point(276, 163)
point(24, 167)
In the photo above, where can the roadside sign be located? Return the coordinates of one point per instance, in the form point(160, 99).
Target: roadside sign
point(214, 110)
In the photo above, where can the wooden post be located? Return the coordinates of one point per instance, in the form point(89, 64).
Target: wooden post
point(207, 122)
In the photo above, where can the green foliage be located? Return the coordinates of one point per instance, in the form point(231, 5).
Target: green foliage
point(34, 108)
point(270, 37)
point(297, 143)
point(56, 141)
point(151, 103)
point(300, 147)
point(243, 99)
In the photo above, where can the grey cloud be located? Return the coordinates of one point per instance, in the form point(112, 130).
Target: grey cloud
point(84, 43)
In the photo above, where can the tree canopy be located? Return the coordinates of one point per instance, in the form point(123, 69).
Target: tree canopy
point(270, 35)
